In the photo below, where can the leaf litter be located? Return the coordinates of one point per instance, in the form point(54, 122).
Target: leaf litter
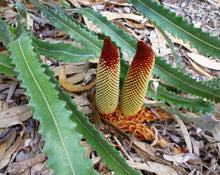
point(21, 145)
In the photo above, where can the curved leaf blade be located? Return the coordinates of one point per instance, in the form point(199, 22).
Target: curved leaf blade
point(214, 82)
point(192, 104)
point(21, 8)
point(179, 27)
point(64, 52)
point(4, 33)
point(80, 34)
point(184, 82)
point(6, 67)
point(62, 145)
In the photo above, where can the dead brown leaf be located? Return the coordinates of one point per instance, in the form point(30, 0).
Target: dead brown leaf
point(14, 115)
point(204, 61)
point(71, 69)
point(181, 158)
point(154, 167)
point(199, 70)
point(21, 166)
point(5, 145)
point(7, 155)
point(70, 87)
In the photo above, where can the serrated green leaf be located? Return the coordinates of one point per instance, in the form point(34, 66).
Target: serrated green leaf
point(129, 44)
point(64, 52)
point(61, 11)
point(66, 154)
point(63, 3)
point(4, 33)
point(192, 104)
point(80, 34)
point(6, 67)
point(214, 82)
point(93, 136)
point(179, 27)
point(184, 82)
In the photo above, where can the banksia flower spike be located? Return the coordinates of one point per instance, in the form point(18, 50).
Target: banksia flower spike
point(107, 87)
point(136, 82)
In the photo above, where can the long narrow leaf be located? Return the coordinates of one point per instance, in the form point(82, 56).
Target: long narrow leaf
point(93, 136)
point(80, 34)
point(21, 8)
point(6, 67)
point(64, 52)
point(66, 154)
point(184, 82)
point(214, 82)
point(63, 13)
point(192, 104)
point(179, 27)
point(4, 33)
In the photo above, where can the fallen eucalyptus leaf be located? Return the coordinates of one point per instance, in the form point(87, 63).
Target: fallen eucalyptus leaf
point(70, 87)
point(216, 134)
point(199, 70)
point(71, 69)
point(8, 154)
point(21, 166)
point(184, 132)
point(6, 145)
point(113, 15)
point(154, 167)
point(204, 61)
point(14, 115)
point(181, 158)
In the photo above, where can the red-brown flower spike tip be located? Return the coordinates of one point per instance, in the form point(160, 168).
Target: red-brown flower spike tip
point(107, 87)
point(136, 82)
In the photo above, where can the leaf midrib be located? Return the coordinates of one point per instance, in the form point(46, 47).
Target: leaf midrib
point(184, 99)
point(195, 87)
point(61, 51)
point(82, 38)
point(5, 65)
point(181, 29)
point(48, 106)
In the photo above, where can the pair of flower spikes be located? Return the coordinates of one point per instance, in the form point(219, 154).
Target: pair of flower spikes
point(135, 85)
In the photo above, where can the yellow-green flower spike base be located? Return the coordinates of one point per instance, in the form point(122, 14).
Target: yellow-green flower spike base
point(136, 82)
point(108, 72)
